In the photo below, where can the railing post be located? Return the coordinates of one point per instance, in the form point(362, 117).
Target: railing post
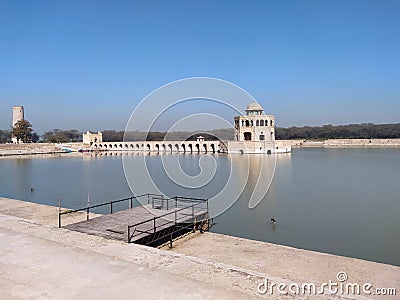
point(167, 202)
point(129, 234)
point(154, 221)
point(176, 202)
point(88, 204)
point(131, 202)
point(111, 208)
point(194, 221)
point(148, 198)
point(170, 241)
point(175, 217)
point(59, 212)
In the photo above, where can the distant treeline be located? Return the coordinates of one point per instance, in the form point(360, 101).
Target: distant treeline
point(132, 136)
point(5, 136)
point(61, 136)
point(52, 136)
point(352, 131)
point(73, 135)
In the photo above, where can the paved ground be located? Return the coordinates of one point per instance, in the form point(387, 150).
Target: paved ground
point(278, 261)
point(35, 267)
point(40, 214)
point(39, 260)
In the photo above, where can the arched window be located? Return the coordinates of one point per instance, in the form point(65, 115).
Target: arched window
point(266, 122)
point(251, 123)
point(242, 123)
point(262, 123)
point(271, 123)
point(257, 123)
point(247, 123)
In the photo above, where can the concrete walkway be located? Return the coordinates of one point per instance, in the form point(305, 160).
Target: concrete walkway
point(33, 265)
point(297, 265)
point(39, 260)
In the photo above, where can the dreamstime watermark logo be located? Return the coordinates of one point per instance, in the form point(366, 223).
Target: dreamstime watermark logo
point(144, 176)
point(339, 287)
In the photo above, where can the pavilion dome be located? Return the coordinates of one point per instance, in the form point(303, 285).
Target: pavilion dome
point(254, 106)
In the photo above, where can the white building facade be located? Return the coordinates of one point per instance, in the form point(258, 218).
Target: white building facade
point(92, 138)
point(255, 125)
point(255, 133)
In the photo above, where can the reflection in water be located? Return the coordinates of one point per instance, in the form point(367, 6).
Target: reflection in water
point(329, 200)
point(22, 178)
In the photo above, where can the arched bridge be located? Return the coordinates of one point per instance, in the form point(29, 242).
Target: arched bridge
point(162, 146)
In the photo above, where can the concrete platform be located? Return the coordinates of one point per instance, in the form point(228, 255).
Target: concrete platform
point(115, 226)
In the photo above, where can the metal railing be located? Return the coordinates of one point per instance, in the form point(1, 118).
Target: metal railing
point(187, 213)
point(110, 204)
point(162, 202)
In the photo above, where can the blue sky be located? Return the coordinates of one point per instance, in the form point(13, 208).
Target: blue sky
point(87, 64)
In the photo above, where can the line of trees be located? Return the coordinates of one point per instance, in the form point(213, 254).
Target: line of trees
point(24, 132)
point(5, 136)
point(352, 131)
point(132, 136)
point(61, 136)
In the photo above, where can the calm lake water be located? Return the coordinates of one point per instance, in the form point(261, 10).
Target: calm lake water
point(340, 201)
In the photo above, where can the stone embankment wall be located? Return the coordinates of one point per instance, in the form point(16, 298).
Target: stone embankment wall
point(346, 143)
point(283, 146)
point(26, 149)
point(338, 143)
